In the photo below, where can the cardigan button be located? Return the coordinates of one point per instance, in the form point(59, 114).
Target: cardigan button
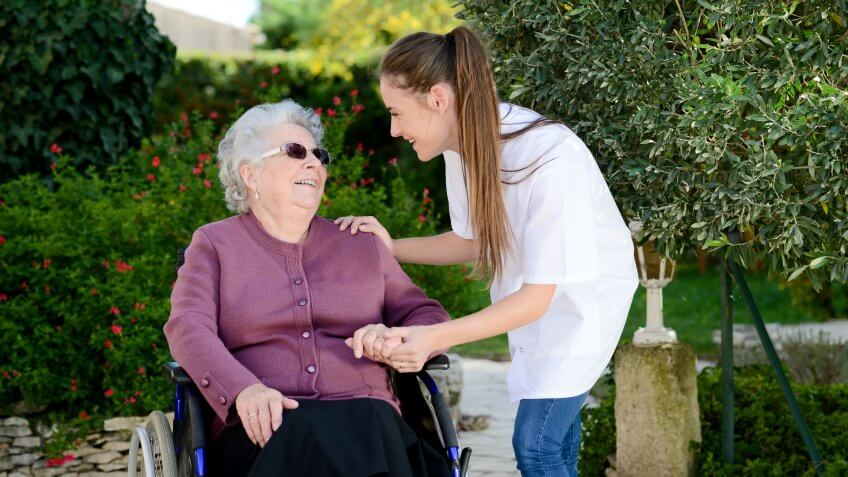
point(222, 400)
point(306, 334)
point(302, 302)
point(298, 281)
point(311, 369)
point(204, 383)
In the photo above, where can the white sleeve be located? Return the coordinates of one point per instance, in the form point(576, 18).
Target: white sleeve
point(457, 195)
point(560, 234)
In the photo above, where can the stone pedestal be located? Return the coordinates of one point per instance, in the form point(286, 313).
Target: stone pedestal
point(656, 410)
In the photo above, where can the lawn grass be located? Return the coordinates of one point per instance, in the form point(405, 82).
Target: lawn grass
point(692, 307)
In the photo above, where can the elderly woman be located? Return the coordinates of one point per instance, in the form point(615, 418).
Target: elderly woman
point(264, 303)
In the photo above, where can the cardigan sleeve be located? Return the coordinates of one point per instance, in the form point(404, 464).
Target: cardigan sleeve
point(192, 330)
point(404, 304)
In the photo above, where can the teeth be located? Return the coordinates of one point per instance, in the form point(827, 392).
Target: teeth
point(412, 141)
point(309, 182)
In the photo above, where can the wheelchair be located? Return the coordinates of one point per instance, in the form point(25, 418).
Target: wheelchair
point(181, 451)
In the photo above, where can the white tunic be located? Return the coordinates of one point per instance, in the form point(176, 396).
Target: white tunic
point(567, 231)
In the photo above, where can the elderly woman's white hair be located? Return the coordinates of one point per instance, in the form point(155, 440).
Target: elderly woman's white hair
point(243, 144)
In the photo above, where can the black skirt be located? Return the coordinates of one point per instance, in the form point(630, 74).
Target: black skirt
point(350, 438)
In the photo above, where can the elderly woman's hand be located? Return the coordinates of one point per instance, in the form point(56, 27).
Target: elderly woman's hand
point(260, 409)
point(370, 341)
point(366, 224)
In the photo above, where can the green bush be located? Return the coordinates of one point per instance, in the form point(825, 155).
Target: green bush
point(88, 265)
point(77, 76)
point(766, 439)
point(705, 116)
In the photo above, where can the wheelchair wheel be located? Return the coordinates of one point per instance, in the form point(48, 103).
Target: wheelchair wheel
point(161, 445)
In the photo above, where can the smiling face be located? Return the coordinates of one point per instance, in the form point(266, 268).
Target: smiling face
point(286, 184)
point(427, 121)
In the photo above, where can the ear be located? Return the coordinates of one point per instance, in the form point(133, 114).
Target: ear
point(439, 98)
point(248, 175)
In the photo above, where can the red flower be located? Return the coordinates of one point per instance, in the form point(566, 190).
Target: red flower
point(109, 392)
point(183, 188)
point(24, 285)
point(139, 306)
point(360, 147)
point(156, 161)
point(213, 115)
point(84, 416)
point(141, 370)
point(114, 310)
point(358, 107)
point(6, 375)
point(336, 100)
point(371, 152)
point(275, 70)
point(204, 156)
point(196, 171)
point(4, 297)
point(55, 148)
point(73, 386)
point(426, 192)
point(107, 344)
point(331, 112)
point(115, 329)
point(207, 184)
point(123, 267)
point(393, 161)
point(151, 178)
point(2, 202)
point(184, 117)
point(94, 292)
point(106, 264)
point(354, 93)
point(421, 218)
point(46, 263)
point(427, 200)
point(15, 373)
point(133, 320)
point(2, 240)
point(319, 111)
point(53, 166)
point(263, 85)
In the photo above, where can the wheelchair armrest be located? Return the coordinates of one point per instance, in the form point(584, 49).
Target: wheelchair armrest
point(440, 362)
point(177, 373)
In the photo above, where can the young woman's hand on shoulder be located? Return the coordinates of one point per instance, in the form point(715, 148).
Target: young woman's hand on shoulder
point(366, 224)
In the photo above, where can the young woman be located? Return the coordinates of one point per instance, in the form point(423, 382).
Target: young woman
point(530, 207)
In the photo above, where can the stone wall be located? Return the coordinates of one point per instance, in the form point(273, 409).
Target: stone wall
point(102, 454)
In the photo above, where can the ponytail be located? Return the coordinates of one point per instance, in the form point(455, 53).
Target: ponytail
point(419, 61)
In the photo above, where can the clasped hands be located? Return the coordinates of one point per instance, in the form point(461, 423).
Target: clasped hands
point(404, 348)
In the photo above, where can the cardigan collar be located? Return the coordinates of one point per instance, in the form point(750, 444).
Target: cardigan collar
point(305, 248)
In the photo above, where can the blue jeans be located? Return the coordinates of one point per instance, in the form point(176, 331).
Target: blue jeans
point(547, 436)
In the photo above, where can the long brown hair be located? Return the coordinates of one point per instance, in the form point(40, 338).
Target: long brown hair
point(417, 62)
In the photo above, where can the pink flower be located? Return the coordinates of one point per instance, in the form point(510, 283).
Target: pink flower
point(336, 100)
point(109, 392)
point(196, 171)
point(393, 161)
point(114, 310)
point(105, 263)
point(55, 148)
point(139, 306)
point(207, 184)
point(6, 375)
point(426, 192)
point(354, 93)
point(358, 108)
point(213, 115)
point(123, 267)
point(108, 344)
point(53, 166)
point(4, 297)
point(319, 111)
point(331, 112)
point(422, 218)
point(141, 370)
point(183, 188)
point(2, 240)
point(204, 156)
point(275, 70)
point(263, 85)
point(151, 178)
point(116, 329)
point(156, 161)
point(46, 263)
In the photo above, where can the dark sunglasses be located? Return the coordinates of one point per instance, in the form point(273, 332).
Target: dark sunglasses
point(298, 151)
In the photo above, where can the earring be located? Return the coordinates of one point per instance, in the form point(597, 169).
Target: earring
point(257, 194)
